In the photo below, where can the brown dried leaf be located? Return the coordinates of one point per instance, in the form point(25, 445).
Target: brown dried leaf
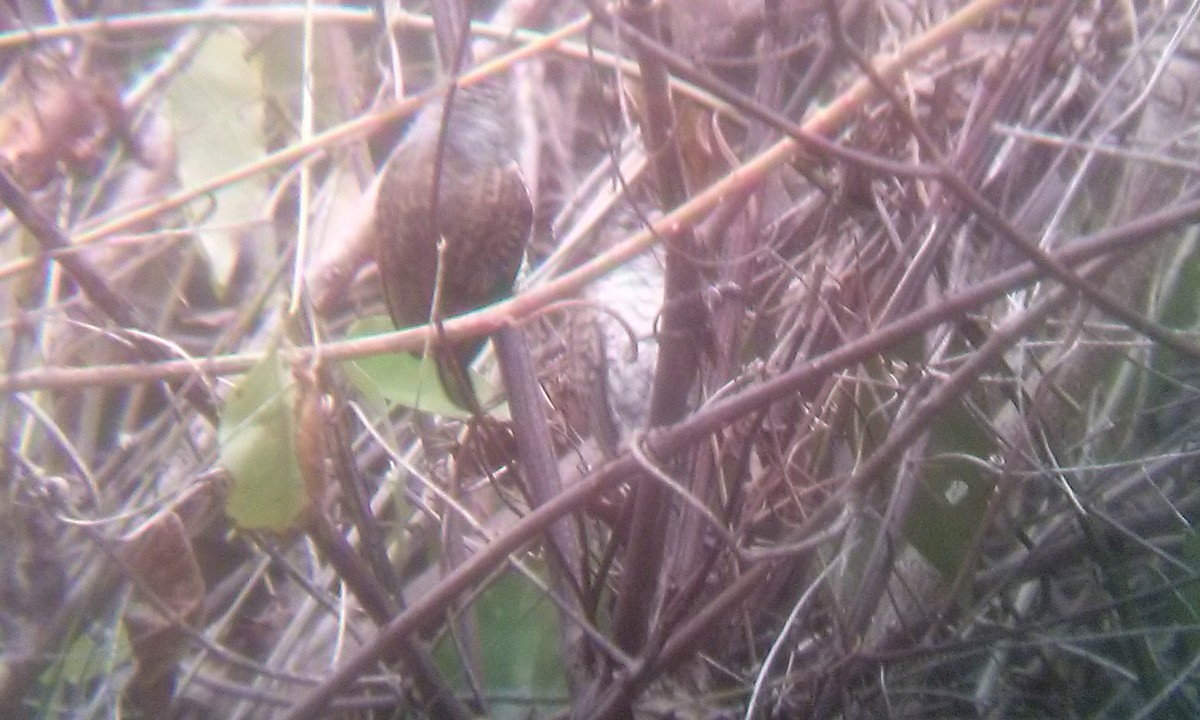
point(169, 594)
point(52, 116)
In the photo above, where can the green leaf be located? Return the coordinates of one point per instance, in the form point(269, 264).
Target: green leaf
point(216, 108)
point(522, 663)
point(86, 659)
point(407, 380)
point(257, 437)
point(952, 500)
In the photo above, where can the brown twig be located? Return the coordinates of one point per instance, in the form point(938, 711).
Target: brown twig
point(54, 242)
point(666, 441)
point(678, 349)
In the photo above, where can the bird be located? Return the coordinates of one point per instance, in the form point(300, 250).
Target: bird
point(479, 211)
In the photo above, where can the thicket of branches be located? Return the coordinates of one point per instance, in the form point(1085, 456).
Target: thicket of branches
point(863, 343)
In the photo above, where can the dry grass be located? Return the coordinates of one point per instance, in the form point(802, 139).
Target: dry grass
point(913, 290)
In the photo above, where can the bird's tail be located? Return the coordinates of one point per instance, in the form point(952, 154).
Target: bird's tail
point(452, 369)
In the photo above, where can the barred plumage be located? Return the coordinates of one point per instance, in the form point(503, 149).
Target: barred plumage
point(483, 212)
